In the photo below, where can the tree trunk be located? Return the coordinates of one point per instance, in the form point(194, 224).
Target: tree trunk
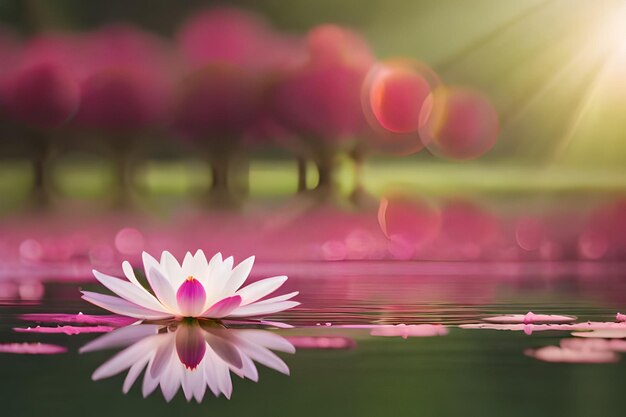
point(124, 165)
point(358, 158)
point(219, 169)
point(42, 184)
point(302, 174)
point(327, 181)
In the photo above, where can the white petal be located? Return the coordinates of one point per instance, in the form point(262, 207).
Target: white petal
point(123, 360)
point(223, 307)
point(123, 307)
point(162, 356)
point(133, 374)
point(121, 337)
point(200, 268)
point(130, 274)
point(129, 291)
point(219, 275)
point(265, 357)
point(267, 339)
point(214, 264)
point(188, 267)
point(215, 260)
point(217, 374)
point(186, 384)
point(238, 276)
point(255, 310)
point(201, 261)
point(222, 374)
point(149, 262)
point(149, 383)
point(163, 290)
point(198, 382)
point(260, 289)
point(171, 269)
point(248, 369)
point(225, 349)
point(171, 378)
point(210, 373)
point(276, 299)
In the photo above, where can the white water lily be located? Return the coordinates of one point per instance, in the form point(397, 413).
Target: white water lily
point(188, 354)
point(197, 288)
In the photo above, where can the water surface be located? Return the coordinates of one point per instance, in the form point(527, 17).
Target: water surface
point(349, 371)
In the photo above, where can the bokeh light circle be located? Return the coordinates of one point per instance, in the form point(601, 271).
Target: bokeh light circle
point(396, 97)
point(458, 123)
point(392, 98)
point(408, 221)
point(129, 241)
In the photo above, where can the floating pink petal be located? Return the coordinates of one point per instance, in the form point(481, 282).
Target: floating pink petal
point(615, 345)
point(606, 333)
point(529, 318)
point(411, 330)
point(620, 317)
point(322, 342)
point(566, 327)
point(69, 330)
point(276, 324)
point(104, 320)
point(526, 328)
point(32, 348)
point(223, 307)
point(560, 354)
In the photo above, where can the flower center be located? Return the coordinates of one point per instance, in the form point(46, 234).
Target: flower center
point(191, 297)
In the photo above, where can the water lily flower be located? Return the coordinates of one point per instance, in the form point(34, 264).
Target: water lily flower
point(197, 288)
point(190, 354)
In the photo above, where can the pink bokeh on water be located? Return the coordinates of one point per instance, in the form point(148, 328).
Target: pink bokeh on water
point(416, 222)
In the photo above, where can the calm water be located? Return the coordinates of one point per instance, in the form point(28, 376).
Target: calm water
point(462, 373)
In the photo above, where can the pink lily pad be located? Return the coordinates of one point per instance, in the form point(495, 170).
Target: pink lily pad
point(80, 318)
point(412, 330)
point(567, 355)
point(586, 327)
point(69, 330)
point(31, 348)
point(606, 333)
point(615, 345)
point(321, 342)
point(530, 318)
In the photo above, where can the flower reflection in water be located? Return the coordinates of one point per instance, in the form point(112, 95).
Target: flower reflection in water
point(191, 354)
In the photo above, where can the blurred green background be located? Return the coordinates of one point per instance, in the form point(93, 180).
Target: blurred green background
point(554, 69)
point(547, 64)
